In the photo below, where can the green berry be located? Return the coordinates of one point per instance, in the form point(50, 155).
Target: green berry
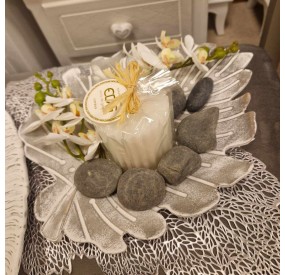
point(219, 53)
point(219, 49)
point(37, 75)
point(38, 86)
point(55, 83)
point(234, 47)
point(40, 98)
point(49, 74)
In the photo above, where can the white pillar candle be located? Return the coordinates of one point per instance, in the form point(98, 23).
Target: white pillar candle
point(144, 137)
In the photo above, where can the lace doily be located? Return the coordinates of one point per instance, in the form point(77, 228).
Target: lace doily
point(239, 236)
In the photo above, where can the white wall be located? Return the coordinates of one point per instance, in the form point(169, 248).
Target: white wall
point(26, 50)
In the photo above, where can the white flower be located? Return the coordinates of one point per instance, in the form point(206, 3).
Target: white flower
point(167, 42)
point(47, 108)
point(58, 101)
point(58, 128)
point(76, 109)
point(198, 56)
point(169, 57)
point(150, 57)
point(145, 57)
point(42, 119)
point(89, 141)
point(74, 116)
point(95, 141)
point(66, 92)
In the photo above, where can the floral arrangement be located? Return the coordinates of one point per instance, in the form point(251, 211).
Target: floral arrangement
point(62, 115)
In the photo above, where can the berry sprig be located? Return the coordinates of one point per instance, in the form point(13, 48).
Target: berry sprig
point(42, 92)
point(216, 54)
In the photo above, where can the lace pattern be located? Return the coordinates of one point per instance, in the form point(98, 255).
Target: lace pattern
point(239, 236)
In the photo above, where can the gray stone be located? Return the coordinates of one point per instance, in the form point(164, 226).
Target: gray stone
point(97, 178)
point(140, 189)
point(200, 94)
point(178, 101)
point(198, 131)
point(178, 163)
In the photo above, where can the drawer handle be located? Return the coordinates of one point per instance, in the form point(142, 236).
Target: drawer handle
point(122, 30)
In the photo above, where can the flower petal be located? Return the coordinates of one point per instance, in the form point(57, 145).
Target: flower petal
point(189, 42)
point(33, 126)
point(200, 66)
point(51, 138)
point(150, 57)
point(158, 43)
point(125, 51)
point(52, 115)
point(63, 102)
point(72, 122)
point(162, 35)
point(178, 56)
point(66, 116)
point(123, 62)
point(91, 151)
point(79, 140)
point(52, 99)
point(188, 53)
point(137, 57)
point(173, 44)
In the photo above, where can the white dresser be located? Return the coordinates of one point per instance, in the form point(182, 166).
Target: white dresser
point(78, 30)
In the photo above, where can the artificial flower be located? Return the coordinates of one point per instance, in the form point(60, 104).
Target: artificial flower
point(58, 128)
point(95, 141)
point(47, 108)
point(76, 109)
point(58, 101)
point(66, 92)
point(74, 116)
point(167, 42)
point(198, 55)
point(170, 57)
point(42, 119)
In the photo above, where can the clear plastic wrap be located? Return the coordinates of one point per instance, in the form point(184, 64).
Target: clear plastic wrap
point(142, 139)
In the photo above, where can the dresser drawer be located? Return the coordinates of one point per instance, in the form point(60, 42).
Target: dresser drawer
point(91, 30)
point(80, 29)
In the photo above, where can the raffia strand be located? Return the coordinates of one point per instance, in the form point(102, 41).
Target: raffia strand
point(129, 101)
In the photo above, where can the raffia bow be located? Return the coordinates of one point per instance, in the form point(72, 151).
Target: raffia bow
point(129, 100)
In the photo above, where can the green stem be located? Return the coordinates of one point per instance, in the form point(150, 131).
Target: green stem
point(47, 84)
point(42, 79)
point(185, 64)
point(49, 93)
point(81, 156)
point(80, 152)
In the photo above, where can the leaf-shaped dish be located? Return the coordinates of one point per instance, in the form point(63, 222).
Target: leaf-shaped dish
point(63, 210)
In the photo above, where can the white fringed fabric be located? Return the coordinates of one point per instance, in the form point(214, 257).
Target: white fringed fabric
point(16, 192)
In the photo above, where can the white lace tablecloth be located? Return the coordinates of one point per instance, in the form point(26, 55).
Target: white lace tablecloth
point(239, 236)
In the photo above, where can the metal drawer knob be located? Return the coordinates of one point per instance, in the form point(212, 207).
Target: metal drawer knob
point(122, 30)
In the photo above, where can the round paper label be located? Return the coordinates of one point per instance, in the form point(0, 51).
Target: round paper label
point(98, 97)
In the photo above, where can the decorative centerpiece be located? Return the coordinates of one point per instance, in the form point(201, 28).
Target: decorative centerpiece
point(144, 132)
point(127, 155)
